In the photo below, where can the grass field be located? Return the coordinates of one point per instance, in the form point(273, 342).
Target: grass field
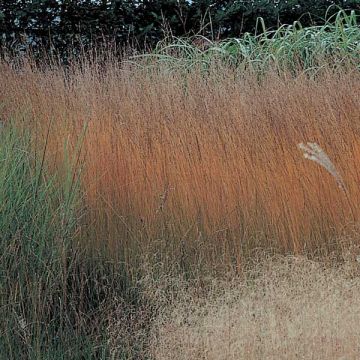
point(160, 207)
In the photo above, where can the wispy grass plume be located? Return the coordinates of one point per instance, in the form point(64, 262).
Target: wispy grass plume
point(314, 152)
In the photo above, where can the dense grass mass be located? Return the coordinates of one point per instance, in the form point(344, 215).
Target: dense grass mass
point(119, 176)
point(203, 169)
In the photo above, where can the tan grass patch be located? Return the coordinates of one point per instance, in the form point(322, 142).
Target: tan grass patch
point(291, 309)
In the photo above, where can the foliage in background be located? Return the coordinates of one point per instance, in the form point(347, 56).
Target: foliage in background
point(58, 24)
point(291, 47)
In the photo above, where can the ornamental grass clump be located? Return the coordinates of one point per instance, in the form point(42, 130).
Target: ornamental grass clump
point(197, 167)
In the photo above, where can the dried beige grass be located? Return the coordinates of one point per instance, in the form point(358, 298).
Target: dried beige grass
point(295, 309)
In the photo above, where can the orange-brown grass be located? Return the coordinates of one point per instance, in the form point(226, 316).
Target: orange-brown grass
point(198, 168)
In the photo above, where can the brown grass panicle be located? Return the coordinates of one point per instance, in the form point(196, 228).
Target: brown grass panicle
point(198, 168)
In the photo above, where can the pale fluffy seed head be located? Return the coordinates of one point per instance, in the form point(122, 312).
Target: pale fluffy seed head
point(313, 152)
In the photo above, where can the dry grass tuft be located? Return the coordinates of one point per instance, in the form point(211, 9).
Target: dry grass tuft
point(291, 308)
point(194, 168)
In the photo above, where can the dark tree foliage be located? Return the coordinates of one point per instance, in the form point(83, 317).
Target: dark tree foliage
point(59, 24)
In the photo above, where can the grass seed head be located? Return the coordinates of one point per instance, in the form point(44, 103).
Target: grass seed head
point(313, 152)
